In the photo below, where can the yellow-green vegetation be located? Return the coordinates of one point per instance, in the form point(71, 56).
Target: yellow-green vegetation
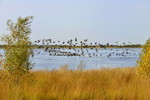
point(18, 48)
point(63, 84)
point(144, 61)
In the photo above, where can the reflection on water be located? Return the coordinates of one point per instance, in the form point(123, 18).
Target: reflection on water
point(116, 57)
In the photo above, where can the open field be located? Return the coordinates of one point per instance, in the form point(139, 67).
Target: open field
point(64, 84)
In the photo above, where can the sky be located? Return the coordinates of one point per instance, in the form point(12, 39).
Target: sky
point(97, 20)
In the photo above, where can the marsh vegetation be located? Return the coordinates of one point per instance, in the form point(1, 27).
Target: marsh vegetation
point(64, 84)
point(19, 82)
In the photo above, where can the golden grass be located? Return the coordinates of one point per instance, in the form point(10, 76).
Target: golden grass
point(102, 84)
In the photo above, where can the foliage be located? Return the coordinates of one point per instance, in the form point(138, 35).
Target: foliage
point(18, 47)
point(144, 61)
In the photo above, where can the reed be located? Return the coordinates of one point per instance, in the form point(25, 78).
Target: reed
point(102, 84)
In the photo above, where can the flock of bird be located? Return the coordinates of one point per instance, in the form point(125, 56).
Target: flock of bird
point(74, 47)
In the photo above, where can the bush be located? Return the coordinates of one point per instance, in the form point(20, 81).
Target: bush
point(144, 61)
point(18, 47)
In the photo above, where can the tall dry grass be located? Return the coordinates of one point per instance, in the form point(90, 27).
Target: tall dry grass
point(103, 84)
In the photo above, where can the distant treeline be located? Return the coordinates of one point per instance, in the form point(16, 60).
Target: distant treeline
point(86, 46)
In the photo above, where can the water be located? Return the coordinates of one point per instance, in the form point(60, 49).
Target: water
point(120, 57)
point(44, 61)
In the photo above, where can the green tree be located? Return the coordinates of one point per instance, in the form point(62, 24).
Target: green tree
point(18, 47)
point(144, 61)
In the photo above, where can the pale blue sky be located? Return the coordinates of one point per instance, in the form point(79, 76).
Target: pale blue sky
point(98, 20)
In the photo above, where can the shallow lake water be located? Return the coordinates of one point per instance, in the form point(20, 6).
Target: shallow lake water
point(96, 60)
point(109, 57)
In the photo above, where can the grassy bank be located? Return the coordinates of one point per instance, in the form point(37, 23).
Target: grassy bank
point(103, 84)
